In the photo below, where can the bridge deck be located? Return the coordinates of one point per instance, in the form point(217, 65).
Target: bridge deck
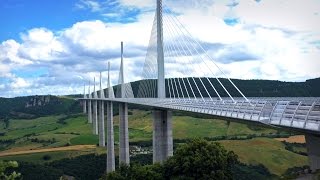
point(298, 113)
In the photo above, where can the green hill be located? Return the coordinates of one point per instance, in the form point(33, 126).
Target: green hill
point(36, 106)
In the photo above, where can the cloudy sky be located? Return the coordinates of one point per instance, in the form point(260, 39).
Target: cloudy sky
point(54, 47)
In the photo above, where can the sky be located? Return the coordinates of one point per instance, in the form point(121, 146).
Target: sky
point(55, 47)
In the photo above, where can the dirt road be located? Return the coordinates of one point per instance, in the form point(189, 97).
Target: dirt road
point(66, 148)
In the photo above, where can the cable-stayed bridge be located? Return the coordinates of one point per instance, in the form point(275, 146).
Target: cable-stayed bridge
point(179, 74)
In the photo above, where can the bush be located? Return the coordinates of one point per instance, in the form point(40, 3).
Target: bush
point(46, 157)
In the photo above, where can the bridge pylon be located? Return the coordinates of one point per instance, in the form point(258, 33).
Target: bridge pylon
point(162, 119)
point(89, 105)
point(84, 102)
point(123, 120)
point(95, 110)
point(110, 133)
point(102, 141)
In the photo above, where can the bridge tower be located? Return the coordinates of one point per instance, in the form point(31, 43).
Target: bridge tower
point(123, 121)
point(102, 140)
point(89, 106)
point(162, 119)
point(95, 109)
point(110, 132)
point(84, 102)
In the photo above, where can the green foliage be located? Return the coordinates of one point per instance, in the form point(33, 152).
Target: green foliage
point(200, 159)
point(298, 148)
point(294, 172)
point(6, 165)
point(39, 172)
point(46, 157)
point(83, 167)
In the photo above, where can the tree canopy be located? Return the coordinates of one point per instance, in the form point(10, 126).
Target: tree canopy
point(197, 159)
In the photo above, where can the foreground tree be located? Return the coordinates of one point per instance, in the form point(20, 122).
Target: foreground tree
point(200, 159)
point(4, 166)
point(197, 159)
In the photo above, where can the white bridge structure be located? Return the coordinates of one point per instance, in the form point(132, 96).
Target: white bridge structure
point(195, 88)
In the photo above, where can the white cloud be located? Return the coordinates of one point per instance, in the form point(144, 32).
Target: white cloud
point(278, 42)
point(285, 14)
point(92, 5)
point(19, 83)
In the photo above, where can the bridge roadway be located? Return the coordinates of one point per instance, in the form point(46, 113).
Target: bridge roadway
point(300, 113)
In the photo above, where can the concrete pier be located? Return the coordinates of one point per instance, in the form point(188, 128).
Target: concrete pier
point(102, 139)
point(123, 121)
point(313, 149)
point(95, 117)
point(162, 135)
point(110, 138)
point(84, 104)
point(89, 112)
point(162, 119)
point(123, 134)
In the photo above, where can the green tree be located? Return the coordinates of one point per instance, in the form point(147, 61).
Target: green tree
point(136, 171)
point(200, 159)
point(197, 159)
point(4, 166)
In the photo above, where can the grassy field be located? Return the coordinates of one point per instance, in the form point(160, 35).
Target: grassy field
point(39, 157)
point(76, 131)
point(269, 152)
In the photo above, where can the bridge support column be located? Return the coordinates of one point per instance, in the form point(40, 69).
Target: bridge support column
point(110, 138)
point(89, 112)
point(84, 104)
point(162, 135)
point(95, 118)
point(102, 141)
point(313, 149)
point(123, 134)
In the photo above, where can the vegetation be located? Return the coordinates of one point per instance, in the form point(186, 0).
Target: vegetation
point(8, 176)
point(198, 159)
point(31, 107)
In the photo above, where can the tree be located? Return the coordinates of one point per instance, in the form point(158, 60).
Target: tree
point(136, 171)
point(4, 166)
point(197, 159)
point(6, 122)
point(200, 159)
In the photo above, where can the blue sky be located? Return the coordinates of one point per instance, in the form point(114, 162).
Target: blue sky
point(54, 47)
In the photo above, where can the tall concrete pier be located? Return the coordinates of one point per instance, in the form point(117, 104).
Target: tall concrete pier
point(313, 149)
point(95, 110)
point(162, 119)
point(110, 133)
point(162, 135)
point(84, 102)
point(102, 140)
point(123, 121)
point(89, 106)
